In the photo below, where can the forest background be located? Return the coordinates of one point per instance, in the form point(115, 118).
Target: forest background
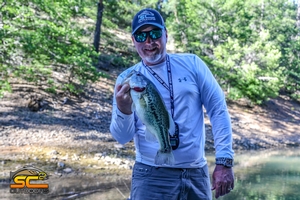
point(251, 46)
point(61, 58)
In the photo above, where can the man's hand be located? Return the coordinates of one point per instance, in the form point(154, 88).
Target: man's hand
point(123, 98)
point(222, 180)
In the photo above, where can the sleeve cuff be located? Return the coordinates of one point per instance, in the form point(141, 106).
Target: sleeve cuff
point(122, 116)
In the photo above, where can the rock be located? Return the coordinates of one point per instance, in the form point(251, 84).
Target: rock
point(35, 103)
point(66, 157)
point(58, 174)
point(75, 157)
point(97, 158)
point(98, 155)
point(68, 170)
point(60, 165)
point(53, 152)
point(118, 161)
point(119, 146)
point(65, 99)
point(53, 159)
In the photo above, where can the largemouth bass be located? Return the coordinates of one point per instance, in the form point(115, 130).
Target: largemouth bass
point(150, 108)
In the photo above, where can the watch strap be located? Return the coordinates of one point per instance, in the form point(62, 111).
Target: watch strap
point(226, 162)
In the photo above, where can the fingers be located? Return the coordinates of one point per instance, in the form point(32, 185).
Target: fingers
point(123, 98)
point(222, 181)
point(213, 183)
point(118, 88)
point(123, 93)
point(222, 190)
point(123, 89)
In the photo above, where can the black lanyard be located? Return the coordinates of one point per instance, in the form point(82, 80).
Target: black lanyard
point(168, 87)
point(174, 140)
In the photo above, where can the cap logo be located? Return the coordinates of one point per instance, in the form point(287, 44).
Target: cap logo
point(146, 16)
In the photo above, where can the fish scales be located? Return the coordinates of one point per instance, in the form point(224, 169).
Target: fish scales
point(150, 108)
point(154, 112)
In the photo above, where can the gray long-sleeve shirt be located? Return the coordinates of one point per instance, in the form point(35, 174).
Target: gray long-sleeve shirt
point(194, 87)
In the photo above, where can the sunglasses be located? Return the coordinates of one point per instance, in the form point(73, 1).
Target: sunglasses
point(142, 36)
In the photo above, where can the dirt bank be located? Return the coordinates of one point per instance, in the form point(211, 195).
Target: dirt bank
point(72, 122)
point(69, 136)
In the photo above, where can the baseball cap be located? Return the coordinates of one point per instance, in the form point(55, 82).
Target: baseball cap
point(147, 16)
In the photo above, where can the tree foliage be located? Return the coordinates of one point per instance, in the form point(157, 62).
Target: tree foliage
point(251, 46)
point(40, 38)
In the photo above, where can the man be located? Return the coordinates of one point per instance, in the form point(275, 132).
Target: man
point(186, 84)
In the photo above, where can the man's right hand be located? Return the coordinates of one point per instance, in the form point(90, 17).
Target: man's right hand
point(123, 98)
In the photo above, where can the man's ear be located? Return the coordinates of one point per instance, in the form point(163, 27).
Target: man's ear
point(166, 34)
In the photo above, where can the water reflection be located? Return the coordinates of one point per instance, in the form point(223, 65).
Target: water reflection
point(270, 175)
point(260, 175)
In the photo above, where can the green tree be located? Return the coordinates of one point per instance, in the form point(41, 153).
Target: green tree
point(246, 43)
point(41, 37)
point(292, 58)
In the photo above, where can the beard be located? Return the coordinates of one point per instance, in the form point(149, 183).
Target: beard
point(154, 59)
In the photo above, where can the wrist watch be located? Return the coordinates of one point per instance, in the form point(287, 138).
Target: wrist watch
point(226, 162)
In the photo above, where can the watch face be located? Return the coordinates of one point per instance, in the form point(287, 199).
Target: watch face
point(227, 162)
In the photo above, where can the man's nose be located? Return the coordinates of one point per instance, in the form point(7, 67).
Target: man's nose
point(148, 39)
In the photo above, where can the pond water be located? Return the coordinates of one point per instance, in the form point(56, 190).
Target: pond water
point(270, 175)
point(259, 175)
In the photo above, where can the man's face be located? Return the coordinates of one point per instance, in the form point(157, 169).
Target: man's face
point(152, 51)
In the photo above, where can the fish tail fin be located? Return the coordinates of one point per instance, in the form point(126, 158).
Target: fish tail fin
point(164, 158)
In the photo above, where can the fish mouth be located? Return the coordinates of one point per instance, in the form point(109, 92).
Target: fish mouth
point(138, 89)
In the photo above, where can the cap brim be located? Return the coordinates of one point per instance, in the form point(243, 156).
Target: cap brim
point(154, 24)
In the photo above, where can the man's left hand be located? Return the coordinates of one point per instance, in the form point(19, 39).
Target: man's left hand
point(222, 180)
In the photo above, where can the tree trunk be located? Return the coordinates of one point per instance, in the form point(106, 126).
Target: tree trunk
point(98, 26)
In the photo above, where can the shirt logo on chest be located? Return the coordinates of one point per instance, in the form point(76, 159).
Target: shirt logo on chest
point(182, 79)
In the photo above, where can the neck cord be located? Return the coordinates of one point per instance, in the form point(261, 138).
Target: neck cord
point(168, 87)
point(174, 140)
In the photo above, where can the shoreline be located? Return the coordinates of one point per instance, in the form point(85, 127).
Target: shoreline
point(69, 136)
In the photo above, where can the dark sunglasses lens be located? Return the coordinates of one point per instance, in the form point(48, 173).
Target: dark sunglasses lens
point(155, 34)
point(140, 37)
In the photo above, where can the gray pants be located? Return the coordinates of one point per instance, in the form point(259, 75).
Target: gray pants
point(161, 183)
